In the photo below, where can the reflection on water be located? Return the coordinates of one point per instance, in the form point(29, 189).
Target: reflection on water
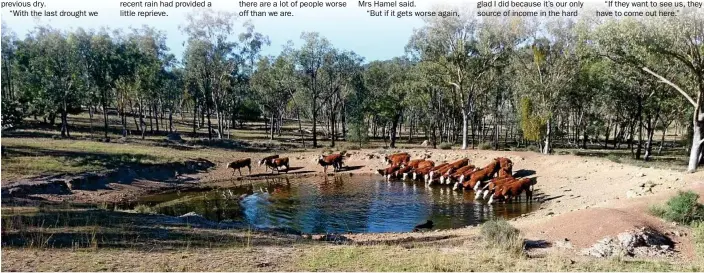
point(338, 204)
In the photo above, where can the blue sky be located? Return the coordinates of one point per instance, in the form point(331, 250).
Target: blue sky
point(348, 28)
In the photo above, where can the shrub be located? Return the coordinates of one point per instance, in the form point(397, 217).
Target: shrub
point(698, 233)
point(485, 146)
point(141, 208)
point(352, 147)
point(614, 158)
point(501, 234)
point(445, 146)
point(533, 148)
point(682, 208)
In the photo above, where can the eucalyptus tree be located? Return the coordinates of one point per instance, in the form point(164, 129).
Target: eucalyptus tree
point(273, 83)
point(550, 73)
point(388, 81)
point(680, 39)
point(310, 59)
point(210, 59)
point(9, 49)
point(59, 68)
point(337, 72)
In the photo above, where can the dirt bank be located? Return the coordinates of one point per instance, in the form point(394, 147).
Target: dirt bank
point(585, 199)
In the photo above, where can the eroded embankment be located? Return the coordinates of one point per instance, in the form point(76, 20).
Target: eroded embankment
point(66, 184)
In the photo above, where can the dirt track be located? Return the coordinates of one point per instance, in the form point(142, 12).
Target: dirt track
point(586, 198)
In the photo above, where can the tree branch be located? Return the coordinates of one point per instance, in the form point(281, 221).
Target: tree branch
point(663, 80)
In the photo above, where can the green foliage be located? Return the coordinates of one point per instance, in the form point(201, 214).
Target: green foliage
point(358, 132)
point(485, 146)
point(445, 146)
point(682, 208)
point(12, 113)
point(141, 208)
point(533, 126)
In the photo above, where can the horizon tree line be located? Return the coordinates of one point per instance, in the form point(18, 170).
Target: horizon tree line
point(584, 82)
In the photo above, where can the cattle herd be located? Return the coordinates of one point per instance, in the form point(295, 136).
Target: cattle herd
point(275, 163)
point(494, 181)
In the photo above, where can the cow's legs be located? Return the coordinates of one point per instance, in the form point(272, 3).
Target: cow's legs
point(239, 170)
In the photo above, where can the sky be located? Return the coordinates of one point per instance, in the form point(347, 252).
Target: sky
point(349, 28)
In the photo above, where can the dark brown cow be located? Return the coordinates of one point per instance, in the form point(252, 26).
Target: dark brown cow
point(264, 160)
point(277, 163)
point(388, 172)
point(241, 163)
point(334, 159)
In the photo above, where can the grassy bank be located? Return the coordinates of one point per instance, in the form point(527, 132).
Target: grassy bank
point(72, 238)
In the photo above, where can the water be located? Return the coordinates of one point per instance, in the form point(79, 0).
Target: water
point(338, 204)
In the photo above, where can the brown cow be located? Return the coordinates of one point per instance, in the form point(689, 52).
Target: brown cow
point(492, 186)
point(420, 172)
point(413, 163)
point(514, 189)
point(277, 163)
point(334, 159)
point(438, 167)
point(449, 177)
point(421, 165)
point(241, 163)
point(397, 159)
point(454, 165)
point(506, 164)
point(389, 171)
point(402, 172)
point(264, 160)
point(485, 173)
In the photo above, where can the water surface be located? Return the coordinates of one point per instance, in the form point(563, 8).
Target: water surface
point(338, 204)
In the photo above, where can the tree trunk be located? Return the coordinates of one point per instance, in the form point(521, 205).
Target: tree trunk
point(171, 121)
point(90, 117)
point(105, 113)
point(195, 118)
point(271, 127)
point(606, 135)
point(344, 121)
point(64, 120)
point(392, 131)
point(649, 143)
point(640, 129)
point(315, 125)
point(332, 129)
point(465, 127)
point(695, 152)
point(662, 139)
point(300, 127)
point(142, 124)
point(156, 118)
point(546, 148)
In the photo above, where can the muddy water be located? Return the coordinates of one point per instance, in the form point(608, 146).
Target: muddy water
point(337, 204)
